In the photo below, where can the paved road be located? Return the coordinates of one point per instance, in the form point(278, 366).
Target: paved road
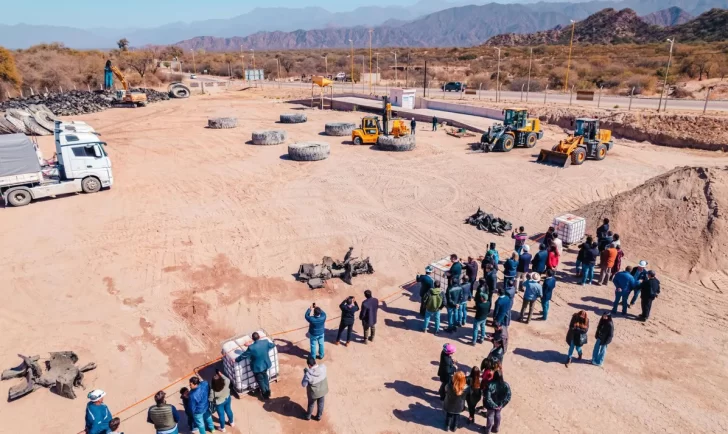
point(535, 97)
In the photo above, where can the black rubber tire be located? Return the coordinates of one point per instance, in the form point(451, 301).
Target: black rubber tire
point(601, 152)
point(339, 128)
point(396, 144)
point(531, 140)
point(222, 123)
point(269, 137)
point(357, 141)
point(293, 118)
point(505, 143)
point(19, 197)
point(91, 184)
point(309, 151)
point(578, 156)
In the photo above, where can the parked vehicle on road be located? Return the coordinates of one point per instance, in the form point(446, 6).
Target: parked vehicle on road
point(454, 86)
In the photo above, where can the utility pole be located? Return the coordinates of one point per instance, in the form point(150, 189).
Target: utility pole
point(242, 63)
point(707, 96)
point(253, 51)
point(370, 60)
point(568, 64)
point(406, 71)
point(424, 84)
point(363, 58)
point(497, 79)
point(326, 62)
point(377, 69)
point(667, 72)
point(528, 86)
point(278, 63)
point(351, 41)
point(194, 65)
point(395, 67)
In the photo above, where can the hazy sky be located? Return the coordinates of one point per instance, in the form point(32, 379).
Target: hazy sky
point(150, 13)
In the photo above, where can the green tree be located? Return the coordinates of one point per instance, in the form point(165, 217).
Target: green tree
point(123, 44)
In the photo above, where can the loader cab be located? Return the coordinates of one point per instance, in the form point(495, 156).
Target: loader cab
point(515, 118)
point(586, 128)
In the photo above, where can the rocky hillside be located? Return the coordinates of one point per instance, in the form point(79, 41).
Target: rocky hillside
point(610, 26)
point(668, 17)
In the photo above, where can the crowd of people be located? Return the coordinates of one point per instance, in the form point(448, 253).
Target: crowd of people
point(535, 275)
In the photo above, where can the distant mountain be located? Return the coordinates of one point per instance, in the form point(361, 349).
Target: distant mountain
point(624, 27)
point(668, 17)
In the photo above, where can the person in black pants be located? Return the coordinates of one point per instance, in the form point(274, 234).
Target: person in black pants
point(650, 291)
point(348, 307)
point(413, 126)
point(368, 315)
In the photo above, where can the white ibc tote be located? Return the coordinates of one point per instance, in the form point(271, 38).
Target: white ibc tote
point(239, 372)
point(571, 228)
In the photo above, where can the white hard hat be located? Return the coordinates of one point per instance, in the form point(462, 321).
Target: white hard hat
point(96, 395)
point(428, 269)
point(643, 263)
point(526, 248)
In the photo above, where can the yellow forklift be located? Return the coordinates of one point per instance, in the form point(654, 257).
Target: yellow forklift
point(517, 129)
point(371, 126)
point(588, 141)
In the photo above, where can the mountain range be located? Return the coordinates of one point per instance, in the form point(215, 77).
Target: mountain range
point(426, 23)
point(624, 27)
point(668, 17)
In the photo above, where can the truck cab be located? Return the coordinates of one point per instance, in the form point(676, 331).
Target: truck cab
point(83, 156)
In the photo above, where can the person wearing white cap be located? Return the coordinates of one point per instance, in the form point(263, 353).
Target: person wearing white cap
point(426, 284)
point(534, 291)
point(639, 273)
point(98, 415)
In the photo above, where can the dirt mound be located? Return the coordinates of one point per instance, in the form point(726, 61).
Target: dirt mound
point(676, 221)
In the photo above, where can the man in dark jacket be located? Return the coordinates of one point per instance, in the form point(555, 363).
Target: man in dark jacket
point(524, 264)
point(456, 271)
point(606, 241)
point(604, 335)
point(413, 126)
point(454, 297)
point(495, 397)
point(465, 298)
point(434, 123)
point(602, 230)
point(548, 286)
point(639, 274)
point(502, 308)
point(538, 263)
point(491, 281)
point(591, 253)
point(426, 284)
point(510, 267)
point(650, 291)
point(259, 355)
point(348, 307)
point(316, 324)
point(482, 309)
point(471, 270)
point(447, 367)
point(200, 405)
point(368, 315)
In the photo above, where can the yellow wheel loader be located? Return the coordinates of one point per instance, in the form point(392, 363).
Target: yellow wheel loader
point(125, 97)
point(371, 127)
point(588, 141)
point(517, 129)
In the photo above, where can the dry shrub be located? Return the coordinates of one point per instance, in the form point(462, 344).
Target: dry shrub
point(478, 80)
point(642, 84)
point(681, 92)
point(517, 84)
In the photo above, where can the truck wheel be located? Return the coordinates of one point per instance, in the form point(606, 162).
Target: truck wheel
point(578, 156)
point(601, 152)
point(91, 185)
point(531, 140)
point(19, 197)
point(357, 140)
point(506, 143)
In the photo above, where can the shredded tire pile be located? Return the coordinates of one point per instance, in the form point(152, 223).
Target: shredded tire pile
point(222, 123)
point(487, 222)
point(339, 128)
point(293, 118)
point(396, 144)
point(269, 137)
point(309, 151)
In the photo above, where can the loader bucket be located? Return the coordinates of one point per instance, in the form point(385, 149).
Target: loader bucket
point(554, 158)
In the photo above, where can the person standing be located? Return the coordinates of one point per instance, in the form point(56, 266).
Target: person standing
point(602, 230)
point(184, 394)
point(471, 270)
point(317, 386)
point(433, 305)
point(606, 241)
point(497, 396)
point(475, 394)
point(540, 259)
point(502, 308)
point(533, 291)
point(554, 257)
point(499, 350)
point(467, 295)
point(607, 259)
point(577, 335)
point(618, 260)
point(548, 286)
point(524, 264)
point(549, 236)
point(259, 355)
point(591, 253)
point(491, 280)
point(580, 256)
point(164, 416)
point(316, 329)
point(556, 241)
point(368, 315)
point(623, 284)
point(200, 405)
point(455, 396)
point(454, 297)
point(220, 399)
point(446, 369)
point(615, 240)
point(98, 415)
point(413, 126)
point(348, 307)
point(426, 283)
point(493, 253)
point(510, 267)
point(639, 274)
point(520, 238)
point(604, 335)
point(650, 291)
point(434, 123)
point(482, 309)
point(456, 271)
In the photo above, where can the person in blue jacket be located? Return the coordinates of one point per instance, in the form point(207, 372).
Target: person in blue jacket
point(259, 355)
point(538, 263)
point(456, 270)
point(200, 405)
point(108, 76)
point(316, 323)
point(510, 267)
point(624, 283)
point(98, 415)
point(502, 309)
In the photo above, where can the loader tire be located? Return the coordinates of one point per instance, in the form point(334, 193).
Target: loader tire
point(396, 144)
point(269, 137)
point(578, 156)
point(339, 128)
point(531, 140)
point(601, 152)
point(309, 151)
point(293, 118)
point(505, 143)
point(222, 123)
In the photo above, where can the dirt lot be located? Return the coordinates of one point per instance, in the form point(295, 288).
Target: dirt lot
point(201, 233)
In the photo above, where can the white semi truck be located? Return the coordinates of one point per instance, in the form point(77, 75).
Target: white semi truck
point(82, 165)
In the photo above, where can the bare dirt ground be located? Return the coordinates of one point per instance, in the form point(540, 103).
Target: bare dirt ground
point(201, 233)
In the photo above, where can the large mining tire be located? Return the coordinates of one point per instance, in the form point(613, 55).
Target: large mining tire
point(269, 137)
point(6, 127)
point(44, 119)
point(17, 123)
point(33, 127)
point(396, 144)
point(222, 123)
point(309, 151)
point(178, 90)
point(293, 118)
point(339, 129)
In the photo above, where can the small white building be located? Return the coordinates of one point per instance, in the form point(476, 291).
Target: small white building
point(401, 97)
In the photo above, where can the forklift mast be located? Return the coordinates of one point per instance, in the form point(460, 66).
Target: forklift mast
point(386, 114)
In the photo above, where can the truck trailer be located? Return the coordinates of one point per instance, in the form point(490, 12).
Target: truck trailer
point(81, 165)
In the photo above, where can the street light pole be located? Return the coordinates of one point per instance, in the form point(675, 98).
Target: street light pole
point(351, 41)
point(528, 86)
point(667, 72)
point(377, 69)
point(568, 63)
point(370, 60)
point(326, 61)
point(497, 79)
point(194, 65)
point(395, 67)
point(363, 58)
point(242, 63)
point(253, 51)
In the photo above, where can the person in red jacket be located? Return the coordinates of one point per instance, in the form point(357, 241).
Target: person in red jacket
point(553, 260)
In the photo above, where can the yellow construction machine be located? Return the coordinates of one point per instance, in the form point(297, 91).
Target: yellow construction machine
point(517, 129)
point(588, 141)
point(126, 98)
point(371, 127)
